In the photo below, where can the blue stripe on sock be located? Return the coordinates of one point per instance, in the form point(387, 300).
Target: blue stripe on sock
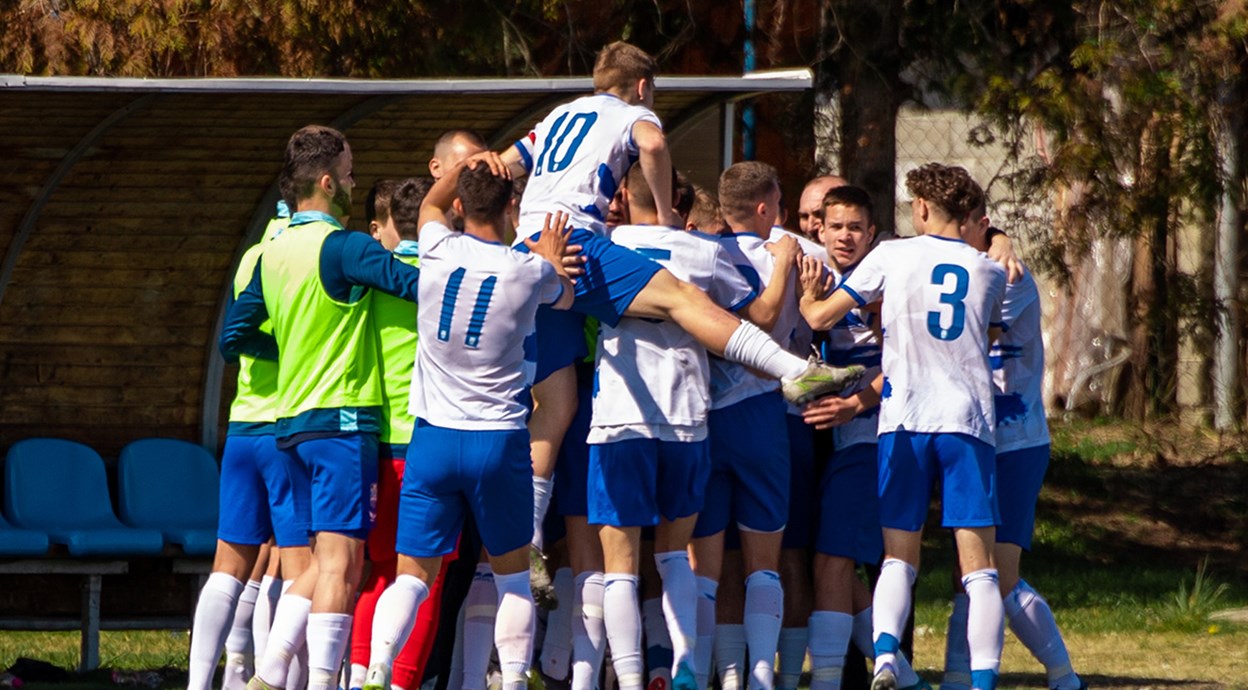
point(984, 680)
point(886, 644)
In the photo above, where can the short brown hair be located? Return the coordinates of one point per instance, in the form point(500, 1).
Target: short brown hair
point(377, 201)
point(639, 192)
point(849, 195)
point(310, 153)
point(949, 188)
point(483, 194)
point(620, 65)
point(705, 214)
point(405, 204)
point(743, 185)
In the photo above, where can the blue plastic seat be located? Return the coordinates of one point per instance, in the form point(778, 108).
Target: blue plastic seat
point(171, 486)
point(59, 487)
point(21, 542)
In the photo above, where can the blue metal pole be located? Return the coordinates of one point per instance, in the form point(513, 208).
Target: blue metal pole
point(747, 112)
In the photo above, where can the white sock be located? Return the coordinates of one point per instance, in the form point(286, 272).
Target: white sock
point(750, 346)
point(623, 623)
point(286, 638)
point(730, 656)
point(985, 626)
point(239, 646)
point(589, 633)
point(764, 610)
point(262, 616)
point(297, 671)
point(957, 652)
point(792, 656)
point(657, 639)
point(514, 628)
point(328, 636)
point(394, 617)
point(1033, 624)
point(359, 674)
point(214, 612)
point(480, 613)
point(891, 604)
point(541, 502)
point(707, 589)
point(557, 644)
point(588, 630)
point(456, 672)
point(680, 606)
point(830, 632)
point(863, 640)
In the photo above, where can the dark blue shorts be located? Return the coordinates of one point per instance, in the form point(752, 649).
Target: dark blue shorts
point(255, 499)
point(632, 483)
point(335, 481)
point(572, 466)
point(750, 467)
point(799, 532)
point(1020, 474)
point(911, 463)
point(849, 509)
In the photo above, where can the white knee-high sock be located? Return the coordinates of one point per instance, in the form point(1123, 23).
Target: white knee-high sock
point(239, 645)
point(707, 589)
point(985, 627)
point(541, 503)
point(394, 617)
point(1033, 624)
point(359, 674)
point(957, 651)
point(456, 672)
point(262, 616)
point(750, 346)
point(589, 633)
point(891, 604)
point(286, 638)
point(480, 614)
point(793, 642)
point(830, 632)
point(764, 610)
point(214, 612)
point(514, 628)
point(297, 670)
point(680, 605)
point(863, 640)
point(730, 656)
point(623, 622)
point(328, 635)
point(657, 640)
point(557, 644)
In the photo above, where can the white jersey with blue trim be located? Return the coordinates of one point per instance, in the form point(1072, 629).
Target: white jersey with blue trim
point(477, 353)
point(853, 340)
point(1018, 369)
point(731, 382)
point(940, 298)
point(576, 158)
point(652, 378)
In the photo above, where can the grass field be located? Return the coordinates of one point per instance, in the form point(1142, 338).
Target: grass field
point(1141, 536)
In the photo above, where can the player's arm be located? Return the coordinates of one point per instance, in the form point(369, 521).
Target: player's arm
point(513, 158)
point(765, 310)
point(833, 411)
point(552, 245)
point(1001, 250)
point(241, 334)
point(436, 207)
point(656, 166)
point(819, 311)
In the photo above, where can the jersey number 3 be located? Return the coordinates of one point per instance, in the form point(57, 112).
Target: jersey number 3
point(479, 308)
point(557, 151)
point(954, 298)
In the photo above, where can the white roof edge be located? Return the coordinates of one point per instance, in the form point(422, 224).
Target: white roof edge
point(771, 80)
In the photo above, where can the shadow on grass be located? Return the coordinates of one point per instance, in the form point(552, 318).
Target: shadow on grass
point(1102, 682)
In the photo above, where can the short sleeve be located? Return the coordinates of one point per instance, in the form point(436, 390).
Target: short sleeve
point(640, 114)
point(729, 288)
point(524, 146)
point(550, 286)
point(866, 282)
point(430, 234)
point(1018, 296)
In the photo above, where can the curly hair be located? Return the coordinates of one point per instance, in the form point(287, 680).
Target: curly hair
point(950, 188)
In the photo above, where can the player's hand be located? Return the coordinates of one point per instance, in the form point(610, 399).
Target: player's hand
point(552, 245)
point(832, 411)
point(786, 250)
point(816, 279)
point(490, 158)
point(1001, 250)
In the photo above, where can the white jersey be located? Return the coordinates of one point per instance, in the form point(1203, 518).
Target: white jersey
point(477, 352)
point(652, 376)
point(731, 382)
point(1018, 370)
point(576, 158)
point(853, 340)
point(940, 298)
point(809, 247)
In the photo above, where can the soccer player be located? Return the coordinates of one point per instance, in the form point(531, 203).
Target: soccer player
point(749, 481)
point(453, 147)
point(648, 447)
point(941, 310)
point(480, 298)
point(255, 504)
point(312, 282)
point(810, 205)
point(1022, 436)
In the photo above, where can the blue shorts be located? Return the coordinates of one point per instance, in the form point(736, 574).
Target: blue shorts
point(256, 501)
point(849, 509)
point(560, 340)
point(572, 465)
point(451, 473)
point(632, 483)
point(749, 467)
point(613, 277)
point(334, 482)
point(1020, 474)
point(799, 531)
point(910, 463)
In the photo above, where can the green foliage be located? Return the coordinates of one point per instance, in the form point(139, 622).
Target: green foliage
point(1191, 606)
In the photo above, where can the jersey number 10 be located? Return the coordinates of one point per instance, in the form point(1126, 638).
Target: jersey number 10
point(557, 152)
point(479, 308)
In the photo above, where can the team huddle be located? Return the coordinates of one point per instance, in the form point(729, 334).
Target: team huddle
point(606, 375)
